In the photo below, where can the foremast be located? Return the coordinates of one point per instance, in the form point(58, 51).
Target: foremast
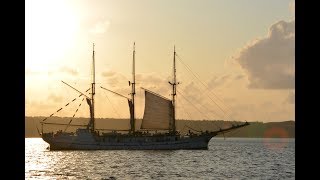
point(133, 92)
point(92, 123)
point(174, 93)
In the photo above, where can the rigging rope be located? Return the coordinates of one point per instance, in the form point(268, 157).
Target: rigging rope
point(197, 124)
point(113, 107)
point(182, 106)
point(188, 116)
point(233, 132)
point(210, 111)
point(193, 105)
point(64, 106)
point(73, 115)
point(197, 76)
point(188, 68)
point(197, 108)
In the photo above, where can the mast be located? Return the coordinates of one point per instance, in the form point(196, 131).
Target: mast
point(92, 91)
point(174, 83)
point(133, 92)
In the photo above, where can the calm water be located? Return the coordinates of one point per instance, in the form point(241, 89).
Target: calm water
point(232, 158)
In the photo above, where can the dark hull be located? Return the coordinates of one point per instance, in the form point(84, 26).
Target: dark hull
point(88, 141)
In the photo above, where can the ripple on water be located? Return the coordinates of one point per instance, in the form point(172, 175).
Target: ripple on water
point(233, 158)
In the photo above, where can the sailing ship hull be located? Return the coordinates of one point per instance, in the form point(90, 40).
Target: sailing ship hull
point(159, 114)
point(91, 141)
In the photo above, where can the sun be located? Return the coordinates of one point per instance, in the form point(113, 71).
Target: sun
point(51, 28)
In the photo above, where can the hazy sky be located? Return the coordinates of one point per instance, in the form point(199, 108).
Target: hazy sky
point(242, 50)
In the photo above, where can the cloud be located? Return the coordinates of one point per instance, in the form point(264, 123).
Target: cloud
point(113, 79)
point(252, 106)
point(269, 62)
point(238, 77)
point(218, 81)
point(55, 98)
point(193, 93)
point(152, 81)
point(69, 70)
point(108, 73)
point(118, 83)
point(100, 27)
point(117, 79)
point(39, 108)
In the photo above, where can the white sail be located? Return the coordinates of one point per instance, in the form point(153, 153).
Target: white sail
point(157, 112)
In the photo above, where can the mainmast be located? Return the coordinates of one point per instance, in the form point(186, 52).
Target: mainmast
point(93, 91)
point(174, 83)
point(133, 92)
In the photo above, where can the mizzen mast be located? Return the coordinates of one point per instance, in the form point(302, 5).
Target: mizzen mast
point(92, 92)
point(174, 92)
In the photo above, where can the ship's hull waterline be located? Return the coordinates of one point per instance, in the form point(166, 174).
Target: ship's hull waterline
point(89, 141)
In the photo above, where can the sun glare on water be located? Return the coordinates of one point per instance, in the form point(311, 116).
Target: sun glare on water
point(50, 30)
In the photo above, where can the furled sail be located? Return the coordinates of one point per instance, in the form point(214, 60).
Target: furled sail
point(157, 112)
point(131, 112)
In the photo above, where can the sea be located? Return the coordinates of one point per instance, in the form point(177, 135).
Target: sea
point(226, 158)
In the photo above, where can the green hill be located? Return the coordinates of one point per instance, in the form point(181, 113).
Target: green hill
point(285, 129)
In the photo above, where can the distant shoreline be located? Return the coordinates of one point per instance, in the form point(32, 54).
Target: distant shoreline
point(285, 129)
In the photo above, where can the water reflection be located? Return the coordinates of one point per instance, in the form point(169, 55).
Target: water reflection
point(230, 158)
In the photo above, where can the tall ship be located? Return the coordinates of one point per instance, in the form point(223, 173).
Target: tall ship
point(158, 127)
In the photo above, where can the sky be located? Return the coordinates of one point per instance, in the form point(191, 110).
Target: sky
point(235, 58)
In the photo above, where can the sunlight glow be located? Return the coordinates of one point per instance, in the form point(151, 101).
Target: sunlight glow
point(50, 30)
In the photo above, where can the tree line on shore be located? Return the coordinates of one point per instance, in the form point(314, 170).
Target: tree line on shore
point(284, 129)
